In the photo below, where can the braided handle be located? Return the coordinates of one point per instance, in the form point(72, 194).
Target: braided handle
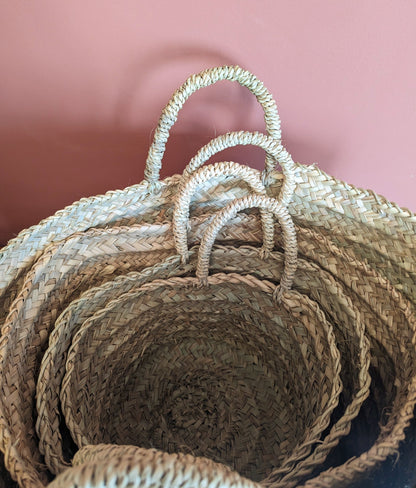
point(122, 466)
point(251, 201)
point(223, 171)
point(274, 150)
point(191, 85)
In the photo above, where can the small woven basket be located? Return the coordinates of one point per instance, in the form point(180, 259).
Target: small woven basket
point(221, 366)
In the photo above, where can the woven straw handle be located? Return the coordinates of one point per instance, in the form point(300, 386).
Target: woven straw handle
point(252, 201)
point(223, 171)
point(135, 467)
point(273, 148)
point(191, 85)
point(195, 177)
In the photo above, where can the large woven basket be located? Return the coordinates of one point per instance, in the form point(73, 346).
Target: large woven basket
point(250, 257)
point(356, 273)
point(135, 204)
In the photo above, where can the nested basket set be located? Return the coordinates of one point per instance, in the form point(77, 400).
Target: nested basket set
point(224, 327)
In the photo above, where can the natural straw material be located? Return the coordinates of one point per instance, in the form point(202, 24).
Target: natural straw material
point(134, 201)
point(183, 366)
point(381, 446)
point(356, 261)
point(71, 258)
point(393, 431)
point(83, 308)
point(329, 255)
point(225, 281)
point(89, 302)
point(142, 468)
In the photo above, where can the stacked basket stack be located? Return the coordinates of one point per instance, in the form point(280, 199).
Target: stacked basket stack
point(223, 327)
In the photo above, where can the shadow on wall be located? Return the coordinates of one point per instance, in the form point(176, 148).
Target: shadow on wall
point(49, 165)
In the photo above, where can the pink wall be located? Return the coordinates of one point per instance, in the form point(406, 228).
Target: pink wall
point(82, 84)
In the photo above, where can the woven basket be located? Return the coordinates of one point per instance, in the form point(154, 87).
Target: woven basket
point(64, 270)
point(357, 243)
point(400, 350)
point(135, 203)
point(18, 257)
point(79, 311)
point(218, 436)
point(228, 405)
point(346, 470)
point(380, 320)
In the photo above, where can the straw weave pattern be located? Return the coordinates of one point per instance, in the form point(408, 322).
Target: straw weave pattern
point(224, 327)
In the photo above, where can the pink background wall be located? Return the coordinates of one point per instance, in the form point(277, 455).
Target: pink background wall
point(82, 83)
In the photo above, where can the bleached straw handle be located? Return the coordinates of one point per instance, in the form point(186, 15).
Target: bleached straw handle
point(192, 84)
point(135, 467)
point(252, 201)
point(220, 171)
point(273, 148)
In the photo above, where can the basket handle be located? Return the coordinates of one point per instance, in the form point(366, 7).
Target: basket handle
point(192, 84)
point(223, 170)
point(251, 201)
point(274, 150)
point(111, 465)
